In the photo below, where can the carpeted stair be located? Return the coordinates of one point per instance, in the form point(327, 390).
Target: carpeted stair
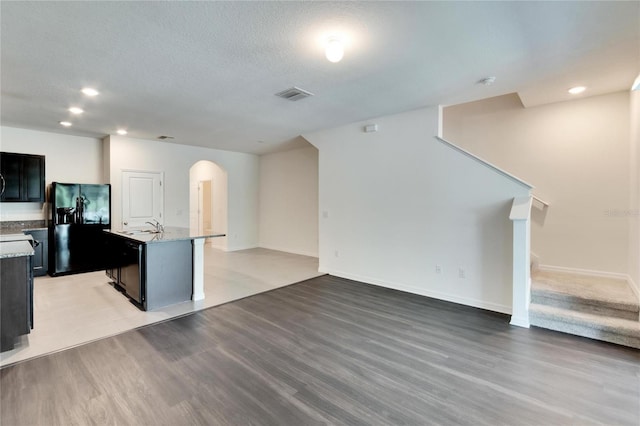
point(595, 307)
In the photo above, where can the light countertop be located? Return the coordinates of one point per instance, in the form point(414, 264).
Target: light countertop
point(170, 233)
point(15, 248)
point(15, 237)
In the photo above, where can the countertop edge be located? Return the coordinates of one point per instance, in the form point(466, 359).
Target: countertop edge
point(11, 249)
point(170, 234)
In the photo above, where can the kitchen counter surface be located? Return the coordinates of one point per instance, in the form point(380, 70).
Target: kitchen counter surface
point(15, 237)
point(170, 233)
point(12, 227)
point(15, 248)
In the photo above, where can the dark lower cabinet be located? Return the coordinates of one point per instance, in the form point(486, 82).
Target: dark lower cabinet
point(41, 251)
point(16, 299)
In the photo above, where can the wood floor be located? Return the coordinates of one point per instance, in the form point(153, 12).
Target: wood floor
point(329, 351)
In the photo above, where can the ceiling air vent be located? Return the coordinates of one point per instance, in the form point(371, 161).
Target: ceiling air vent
point(163, 137)
point(294, 94)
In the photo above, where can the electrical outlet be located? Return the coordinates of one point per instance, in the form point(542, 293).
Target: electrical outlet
point(438, 269)
point(462, 273)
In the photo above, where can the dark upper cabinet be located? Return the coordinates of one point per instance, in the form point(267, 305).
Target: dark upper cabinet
point(22, 178)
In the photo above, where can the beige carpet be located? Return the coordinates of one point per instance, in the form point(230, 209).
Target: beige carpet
point(595, 307)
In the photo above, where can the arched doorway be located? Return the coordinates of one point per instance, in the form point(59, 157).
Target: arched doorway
point(208, 200)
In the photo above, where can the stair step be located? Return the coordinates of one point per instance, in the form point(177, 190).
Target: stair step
point(608, 297)
point(615, 330)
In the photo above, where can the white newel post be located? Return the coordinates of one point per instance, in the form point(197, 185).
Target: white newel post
point(198, 268)
point(521, 217)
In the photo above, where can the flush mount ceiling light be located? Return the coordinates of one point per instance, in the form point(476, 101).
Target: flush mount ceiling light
point(121, 132)
point(65, 123)
point(577, 89)
point(90, 92)
point(334, 50)
point(76, 110)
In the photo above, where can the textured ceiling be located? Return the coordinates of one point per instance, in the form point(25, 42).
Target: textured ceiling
point(206, 72)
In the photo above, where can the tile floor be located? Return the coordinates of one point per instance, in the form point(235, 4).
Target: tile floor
point(76, 309)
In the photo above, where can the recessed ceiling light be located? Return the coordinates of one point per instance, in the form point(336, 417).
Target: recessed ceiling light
point(90, 92)
point(577, 89)
point(76, 110)
point(121, 132)
point(65, 123)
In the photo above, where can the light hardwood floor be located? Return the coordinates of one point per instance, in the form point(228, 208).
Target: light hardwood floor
point(76, 309)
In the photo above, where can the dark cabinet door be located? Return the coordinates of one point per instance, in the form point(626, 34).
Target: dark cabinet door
point(41, 251)
point(16, 300)
point(11, 181)
point(22, 177)
point(33, 178)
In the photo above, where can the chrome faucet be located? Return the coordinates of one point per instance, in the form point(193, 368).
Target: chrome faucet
point(157, 225)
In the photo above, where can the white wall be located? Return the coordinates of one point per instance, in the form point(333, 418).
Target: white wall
point(203, 171)
point(176, 161)
point(396, 203)
point(67, 159)
point(289, 201)
point(576, 155)
point(634, 193)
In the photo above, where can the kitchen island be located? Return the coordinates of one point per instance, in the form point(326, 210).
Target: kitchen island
point(157, 269)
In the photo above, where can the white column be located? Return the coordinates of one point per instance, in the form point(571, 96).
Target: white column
point(521, 217)
point(198, 268)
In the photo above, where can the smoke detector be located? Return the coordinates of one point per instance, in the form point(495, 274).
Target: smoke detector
point(487, 81)
point(294, 94)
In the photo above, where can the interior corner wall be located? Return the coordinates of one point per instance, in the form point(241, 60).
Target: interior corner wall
point(175, 161)
point(67, 159)
point(289, 201)
point(402, 210)
point(634, 196)
point(576, 154)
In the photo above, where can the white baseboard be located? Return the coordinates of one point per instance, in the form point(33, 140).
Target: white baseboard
point(288, 250)
point(520, 322)
point(534, 261)
point(238, 248)
point(578, 271)
point(420, 291)
point(634, 286)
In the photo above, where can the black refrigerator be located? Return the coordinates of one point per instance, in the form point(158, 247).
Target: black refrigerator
point(79, 215)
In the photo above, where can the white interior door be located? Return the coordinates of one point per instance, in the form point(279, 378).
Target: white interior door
point(142, 198)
